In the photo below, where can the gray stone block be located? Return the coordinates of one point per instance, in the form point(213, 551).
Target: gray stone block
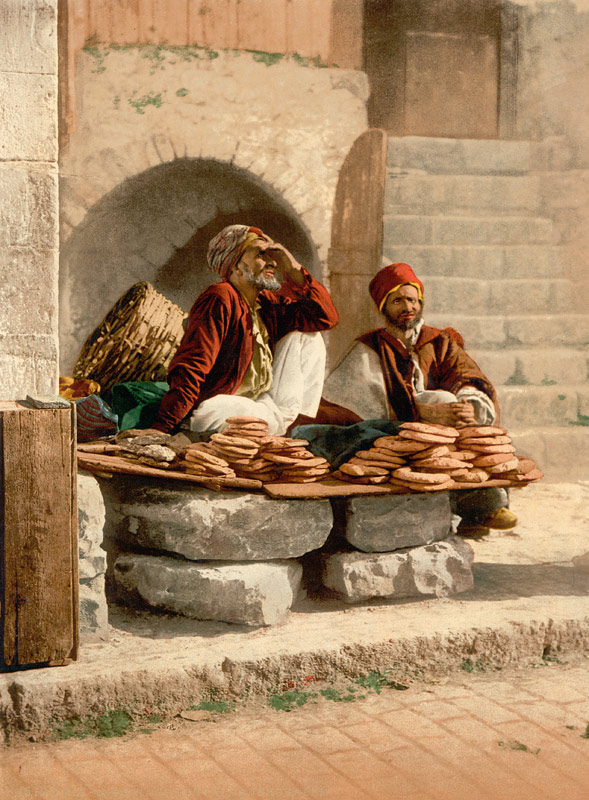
point(233, 526)
point(29, 213)
point(439, 569)
point(243, 593)
point(382, 524)
point(459, 156)
point(92, 559)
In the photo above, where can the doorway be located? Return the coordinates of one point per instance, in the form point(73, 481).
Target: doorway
point(434, 67)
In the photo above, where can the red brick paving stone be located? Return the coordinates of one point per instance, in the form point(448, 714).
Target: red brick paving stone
point(168, 744)
point(548, 715)
point(12, 787)
point(207, 779)
point(325, 740)
point(564, 759)
point(466, 759)
point(436, 710)
point(47, 778)
point(362, 766)
point(472, 730)
point(316, 777)
point(485, 709)
point(155, 779)
point(550, 783)
point(105, 780)
point(503, 690)
point(555, 688)
point(271, 738)
point(376, 740)
point(255, 773)
point(398, 788)
point(411, 722)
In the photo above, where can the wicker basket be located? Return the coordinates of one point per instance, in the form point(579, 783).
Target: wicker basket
point(135, 341)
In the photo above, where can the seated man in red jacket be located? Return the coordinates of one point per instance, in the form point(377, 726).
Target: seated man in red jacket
point(412, 372)
point(247, 349)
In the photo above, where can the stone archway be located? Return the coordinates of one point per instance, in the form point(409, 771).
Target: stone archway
point(156, 227)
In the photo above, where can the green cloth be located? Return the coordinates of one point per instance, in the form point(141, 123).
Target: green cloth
point(136, 403)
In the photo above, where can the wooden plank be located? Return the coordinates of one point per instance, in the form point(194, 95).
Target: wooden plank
point(356, 234)
point(39, 536)
point(345, 39)
point(334, 488)
point(114, 465)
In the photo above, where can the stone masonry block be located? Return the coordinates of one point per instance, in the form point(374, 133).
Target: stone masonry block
point(28, 36)
point(439, 569)
point(382, 524)
point(28, 213)
point(29, 303)
point(459, 157)
point(31, 373)
point(200, 524)
point(29, 117)
point(92, 558)
point(247, 594)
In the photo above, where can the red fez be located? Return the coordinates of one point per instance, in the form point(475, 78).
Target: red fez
point(389, 279)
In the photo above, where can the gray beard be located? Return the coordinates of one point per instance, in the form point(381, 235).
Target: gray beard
point(262, 282)
point(404, 326)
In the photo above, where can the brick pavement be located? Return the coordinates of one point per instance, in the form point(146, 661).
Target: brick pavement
point(455, 739)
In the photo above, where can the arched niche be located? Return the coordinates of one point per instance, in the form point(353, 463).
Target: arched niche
point(156, 227)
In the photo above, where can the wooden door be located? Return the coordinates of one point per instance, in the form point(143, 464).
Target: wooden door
point(434, 66)
point(38, 536)
point(356, 238)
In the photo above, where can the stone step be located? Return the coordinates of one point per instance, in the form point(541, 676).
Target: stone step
point(470, 195)
point(492, 263)
point(542, 405)
point(507, 296)
point(508, 332)
point(533, 367)
point(459, 156)
point(562, 453)
point(456, 230)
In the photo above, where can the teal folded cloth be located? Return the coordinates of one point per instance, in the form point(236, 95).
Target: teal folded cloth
point(136, 403)
point(338, 443)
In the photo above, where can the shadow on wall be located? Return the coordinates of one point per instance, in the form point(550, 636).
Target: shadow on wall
point(156, 227)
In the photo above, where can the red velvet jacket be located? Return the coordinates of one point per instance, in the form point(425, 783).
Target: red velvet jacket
point(217, 347)
point(445, 365)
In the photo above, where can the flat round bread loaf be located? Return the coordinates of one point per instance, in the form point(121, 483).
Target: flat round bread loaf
point(233, 441)
point(525, 465)
point(419, 436)
point(434, 452)
point(479, 440)
point(493, 448)
point(245, 420)
point(430, 427)
point(407, 474)
point(203, 457)
point(475, 475)
point(506, 466)
point(464, 455)
point(361, 471)
point(424, 487)
point(439, 463)
point(481, 430)
point(398, 445)
point(492, 460)
point(386, 456)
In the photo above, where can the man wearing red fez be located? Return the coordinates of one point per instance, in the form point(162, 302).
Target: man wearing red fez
point(249, 348)
point(409, 371)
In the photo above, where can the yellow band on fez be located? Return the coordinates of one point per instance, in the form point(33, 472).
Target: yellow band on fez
point(398, 286)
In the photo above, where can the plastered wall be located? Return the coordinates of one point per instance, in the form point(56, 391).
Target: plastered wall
point(29, 208)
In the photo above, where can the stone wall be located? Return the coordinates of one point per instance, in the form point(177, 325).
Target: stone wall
point(150, 122)
point(553, 109)
point(28, 184)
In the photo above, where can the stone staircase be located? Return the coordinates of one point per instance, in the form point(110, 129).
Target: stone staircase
point(466, 215)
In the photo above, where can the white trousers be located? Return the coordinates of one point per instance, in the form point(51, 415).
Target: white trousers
point(298, 371)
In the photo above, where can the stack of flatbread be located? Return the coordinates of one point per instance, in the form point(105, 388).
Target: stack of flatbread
point(492, 454)
point(375, 465)
point(201, 459)
point(292, 460)
point(429, 451)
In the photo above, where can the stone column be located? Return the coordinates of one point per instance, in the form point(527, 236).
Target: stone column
point(29, 190)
